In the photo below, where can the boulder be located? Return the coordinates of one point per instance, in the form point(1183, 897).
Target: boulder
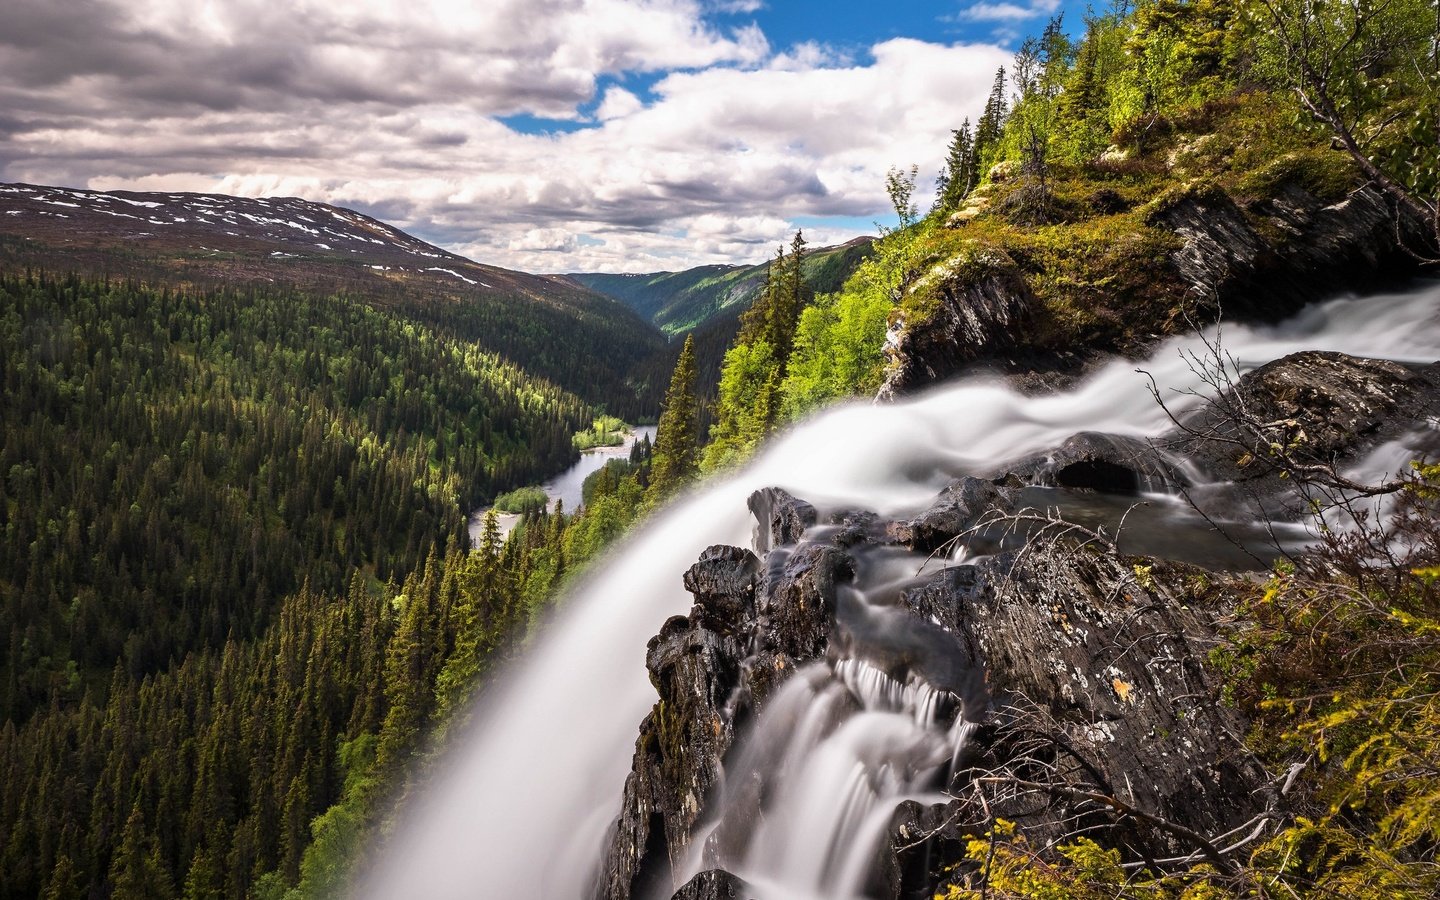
point(1110, 463)
point(780, 519)
point(1321, 408)
point(714, 884)
point(723, 583)
point(959, 507)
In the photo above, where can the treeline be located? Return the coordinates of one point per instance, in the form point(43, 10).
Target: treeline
point(266, 768)
point(593, 347)
point(174, 463)
point(585, 343)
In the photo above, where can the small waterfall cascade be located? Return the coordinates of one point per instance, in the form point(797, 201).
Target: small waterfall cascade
point(520, 807)
point(838, 747)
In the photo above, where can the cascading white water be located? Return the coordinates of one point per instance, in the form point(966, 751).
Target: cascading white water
point(520, 807)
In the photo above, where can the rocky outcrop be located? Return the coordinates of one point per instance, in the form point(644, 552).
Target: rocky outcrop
point(1262, 260)
point(975, 318)
point(1317, 408)
point(1079, 672)
point(1101, 657)
point(1282, 252)
point(751, 626)
point(959, 507)
point(1094, 669)
point(1094, 461)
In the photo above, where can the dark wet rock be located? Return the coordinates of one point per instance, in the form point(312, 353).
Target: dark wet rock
point(1110, 463)
point(780, 518)
point(897, 641)
point(959, 507)
point(799, 607)
point(1326, 408)
point(854, 527)
point(1096, 667)
point(924, 846)
point(723, 583)
point(677, 757)
point(753, 624)
point(976, 319)
point(1090, 666)
point(714, 884)
point(1270, 259)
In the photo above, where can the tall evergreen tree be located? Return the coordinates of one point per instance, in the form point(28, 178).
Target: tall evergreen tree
point(675, 459)
point(958, 179)
point(991, 125)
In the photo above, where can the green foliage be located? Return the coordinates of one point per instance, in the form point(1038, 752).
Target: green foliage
point(1180, 57)
point(840, 338)
point(749, 388)
point(675, 460)
point(962, 170)
point(1367, 71)
point(991, 127)
point(522, 500)
point(202, 497)
point(748, 407)
point(606, 431)
point(175, 462)
point(687, 301)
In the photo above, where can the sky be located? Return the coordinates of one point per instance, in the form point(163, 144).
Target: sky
point(541, 135)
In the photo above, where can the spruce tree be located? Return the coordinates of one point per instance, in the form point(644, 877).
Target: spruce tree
point(958, 179)
point(675, 459)
point(991, 125)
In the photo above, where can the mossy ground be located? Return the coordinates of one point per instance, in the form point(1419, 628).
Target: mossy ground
point(1098, 265)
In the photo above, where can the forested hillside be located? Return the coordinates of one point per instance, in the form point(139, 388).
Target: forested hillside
point(682, 302)
point(179, 467)
point(585, 342)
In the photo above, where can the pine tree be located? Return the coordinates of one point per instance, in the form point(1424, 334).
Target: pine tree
point(958, 179)
point(789, 298)
point(991, 125)
point(675, 459)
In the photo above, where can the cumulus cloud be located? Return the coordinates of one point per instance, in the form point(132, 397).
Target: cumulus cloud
point(396, 108)
point(617, 104)
point(1008, 12)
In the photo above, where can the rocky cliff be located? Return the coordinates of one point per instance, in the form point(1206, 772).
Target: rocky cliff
point(1256, 260)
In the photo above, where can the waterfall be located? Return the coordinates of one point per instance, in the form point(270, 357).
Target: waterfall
point(520, 806)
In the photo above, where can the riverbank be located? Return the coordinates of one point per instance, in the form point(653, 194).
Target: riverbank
point(567, 487)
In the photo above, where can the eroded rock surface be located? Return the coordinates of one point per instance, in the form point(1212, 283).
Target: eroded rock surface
point(1319, 408)
point(976, 319)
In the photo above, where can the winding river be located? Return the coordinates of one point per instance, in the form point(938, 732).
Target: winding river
point(566, 486)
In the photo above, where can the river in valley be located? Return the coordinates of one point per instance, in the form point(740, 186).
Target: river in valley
point(567, 486)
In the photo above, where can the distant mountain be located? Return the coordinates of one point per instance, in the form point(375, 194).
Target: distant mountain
point(680, 302)
point(553, 327)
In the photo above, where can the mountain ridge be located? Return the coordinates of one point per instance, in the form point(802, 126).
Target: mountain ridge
point(682, 301)
point(582, 340)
